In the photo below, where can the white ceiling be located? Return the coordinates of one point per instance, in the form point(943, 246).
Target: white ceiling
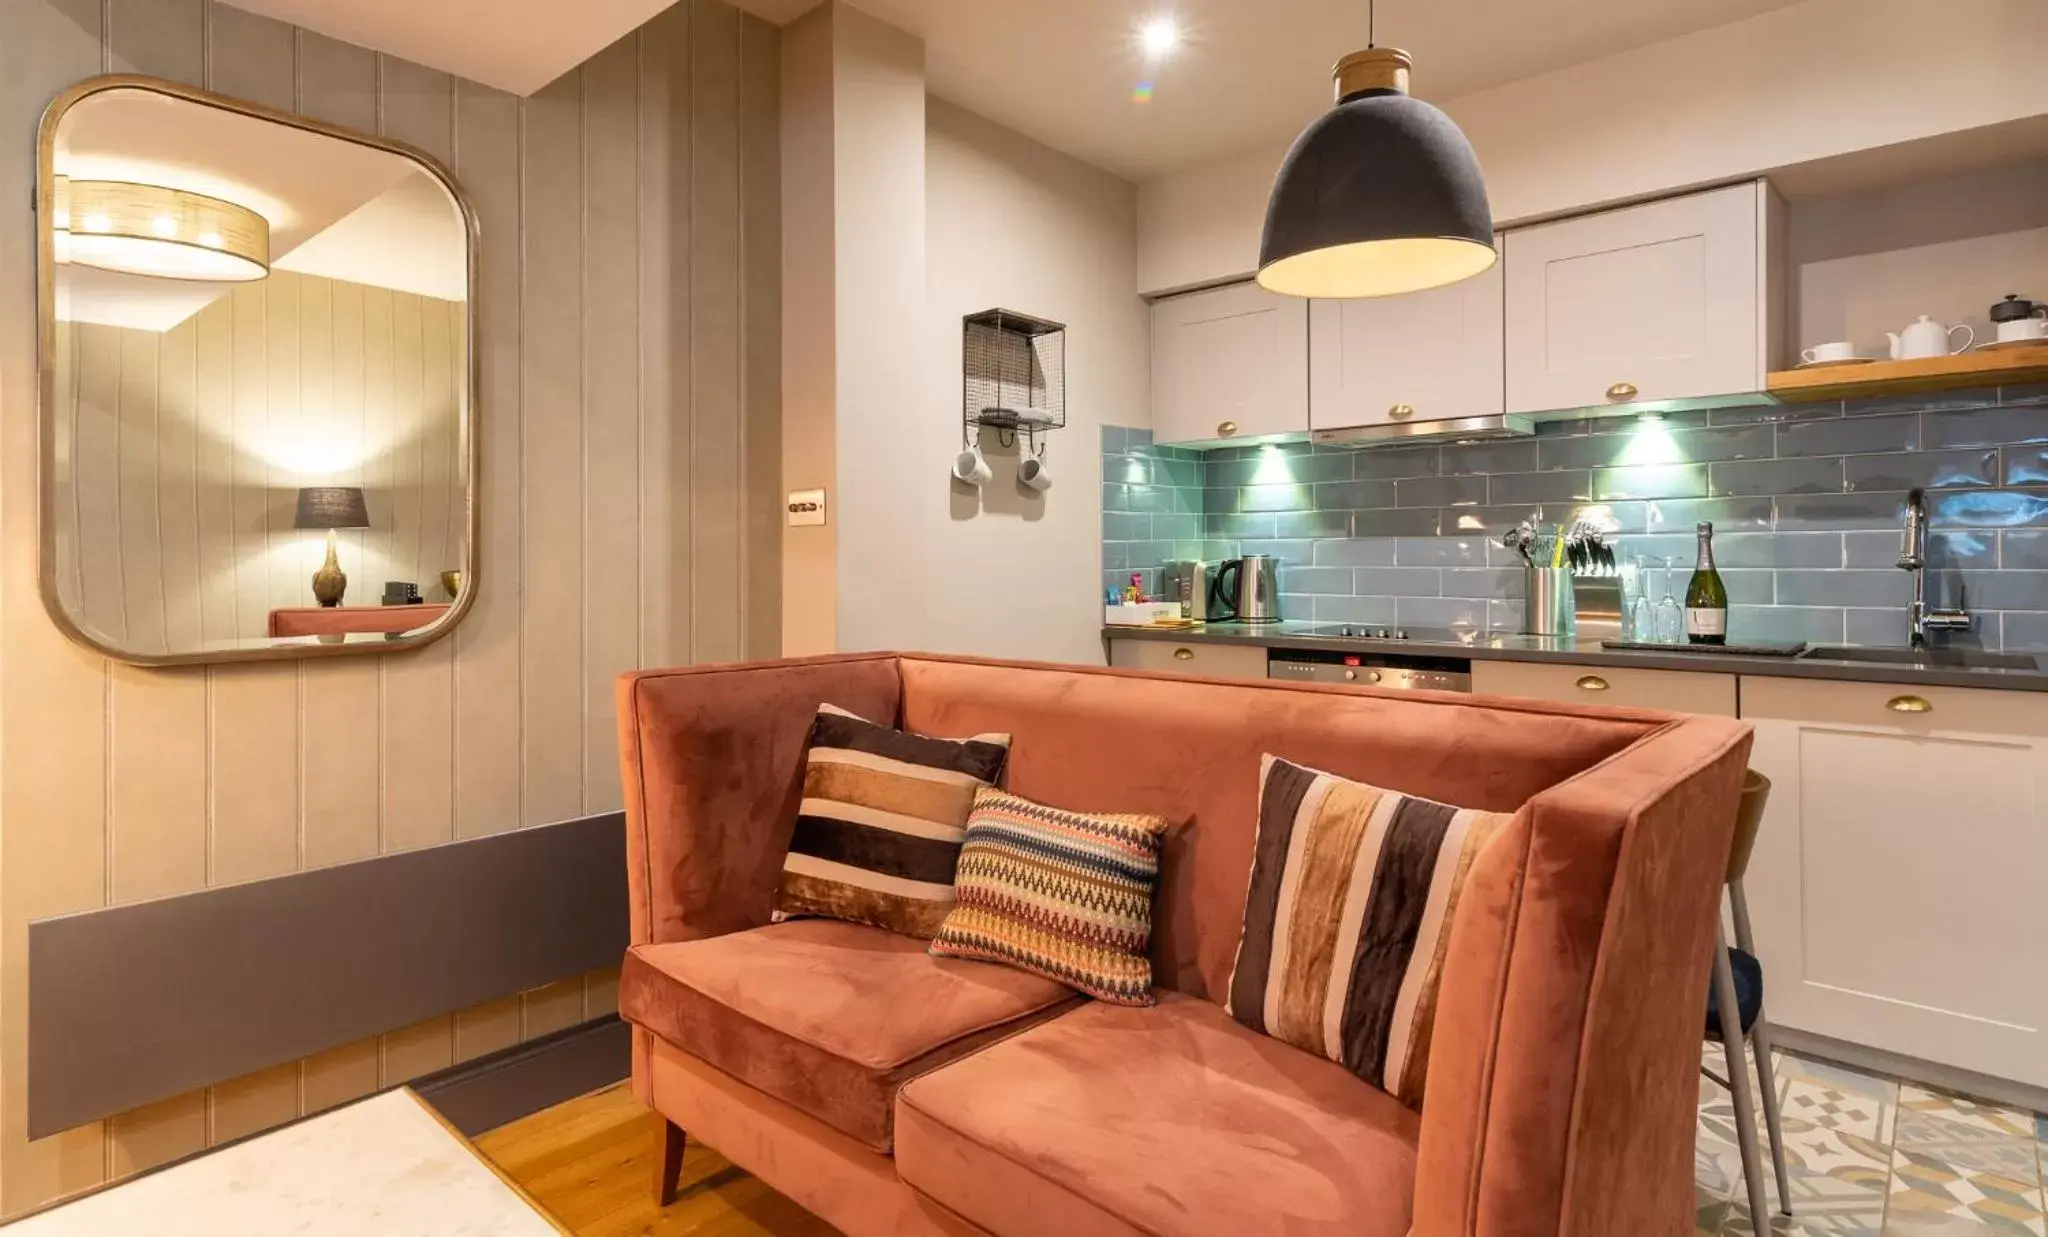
point(1249, 73)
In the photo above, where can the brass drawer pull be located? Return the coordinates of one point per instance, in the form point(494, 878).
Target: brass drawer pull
point(1908, 704)
point(1226, 429)
point(1622, 390)
point(1592, 683)
point(1401, 412)
point(1183, 654)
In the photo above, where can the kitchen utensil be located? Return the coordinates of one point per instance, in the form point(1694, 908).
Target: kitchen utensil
point(1549, 608)
point(2020, 314)
point(1927, 338)
point(1246, 590)
point(1835, 353)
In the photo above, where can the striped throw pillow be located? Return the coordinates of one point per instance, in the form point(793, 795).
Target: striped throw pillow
point(1066, 895)
point(879, 830)
point(1348, 920)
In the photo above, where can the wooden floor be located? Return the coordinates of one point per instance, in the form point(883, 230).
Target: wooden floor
point(590, 1162)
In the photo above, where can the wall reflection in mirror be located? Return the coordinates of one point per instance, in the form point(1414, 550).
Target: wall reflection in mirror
point(257, 397)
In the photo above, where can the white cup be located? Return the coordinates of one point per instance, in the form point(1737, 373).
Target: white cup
point(1821, 354)
point(969, 466)
point(2022, 329)
point(1033, 474)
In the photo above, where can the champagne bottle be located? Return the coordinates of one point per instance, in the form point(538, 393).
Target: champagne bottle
point(1706, 598)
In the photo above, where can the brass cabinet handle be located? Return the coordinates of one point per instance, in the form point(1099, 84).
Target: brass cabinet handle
point(1908, 704)
point(1592, 683)
point(1183, 654)
point(1401, 412)
point(1226, 429)
point(1622, 390)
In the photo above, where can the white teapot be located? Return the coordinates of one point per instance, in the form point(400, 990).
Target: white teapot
point(1928, 339)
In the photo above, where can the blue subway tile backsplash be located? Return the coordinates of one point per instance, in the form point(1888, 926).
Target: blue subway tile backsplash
point(1806, 502)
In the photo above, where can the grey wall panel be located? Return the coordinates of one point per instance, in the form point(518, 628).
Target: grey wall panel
point(137, 1003)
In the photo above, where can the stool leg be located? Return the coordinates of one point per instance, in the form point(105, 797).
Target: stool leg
point(1738, 1081)
point(1760, 1035)
point(671, 1169)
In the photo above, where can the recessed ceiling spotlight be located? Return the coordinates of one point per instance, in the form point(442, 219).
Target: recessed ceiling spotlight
point(1160, 36)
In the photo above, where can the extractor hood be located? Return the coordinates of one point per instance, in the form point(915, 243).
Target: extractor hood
point(1416, 433)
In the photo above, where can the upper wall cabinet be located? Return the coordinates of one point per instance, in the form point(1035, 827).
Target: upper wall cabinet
point(1426, 356)
point(1229, 362)
point(1669, 300)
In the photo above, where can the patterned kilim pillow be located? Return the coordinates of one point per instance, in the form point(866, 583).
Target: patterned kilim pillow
point(1348, 920)
point(883, 814)
point(1066, 895)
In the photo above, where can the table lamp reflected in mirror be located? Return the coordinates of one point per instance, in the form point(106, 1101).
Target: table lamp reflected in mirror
point(331, 507)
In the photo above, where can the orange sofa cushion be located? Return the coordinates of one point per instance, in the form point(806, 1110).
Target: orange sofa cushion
point(1173, 1119)
point(826, 1016)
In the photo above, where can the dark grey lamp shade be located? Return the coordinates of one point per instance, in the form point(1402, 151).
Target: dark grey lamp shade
point(1380, 195)
point(332, 506)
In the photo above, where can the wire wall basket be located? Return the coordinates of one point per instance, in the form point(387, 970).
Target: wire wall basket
point(1014, 377)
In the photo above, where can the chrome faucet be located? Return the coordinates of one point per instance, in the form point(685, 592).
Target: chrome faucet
point(1913, 558)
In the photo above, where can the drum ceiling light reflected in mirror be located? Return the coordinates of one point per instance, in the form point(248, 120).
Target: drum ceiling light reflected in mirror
point(140, 229)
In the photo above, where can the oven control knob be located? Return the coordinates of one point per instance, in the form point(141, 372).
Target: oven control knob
point(1399, 634)
point(1349, 675)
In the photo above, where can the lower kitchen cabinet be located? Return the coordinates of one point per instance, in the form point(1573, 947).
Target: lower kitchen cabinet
point(1898, 878)
point(1676, 690)
point(1215, 661)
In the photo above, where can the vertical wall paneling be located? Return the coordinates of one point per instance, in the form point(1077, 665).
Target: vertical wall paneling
point(760, 165)
point(665, 173)
point(629, 490)
point(487, 662)
point(53, 719)
point(611, 405)
point(552, 383)
point(717, 586)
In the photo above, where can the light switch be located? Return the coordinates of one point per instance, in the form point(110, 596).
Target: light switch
point(806, 507)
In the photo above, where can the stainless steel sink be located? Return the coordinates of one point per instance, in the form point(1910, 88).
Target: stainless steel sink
point(1960, 659)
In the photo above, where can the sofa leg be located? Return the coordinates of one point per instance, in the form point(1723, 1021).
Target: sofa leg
point(671, 1171)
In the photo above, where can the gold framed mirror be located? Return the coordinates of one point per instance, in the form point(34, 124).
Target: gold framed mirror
point(257, 342)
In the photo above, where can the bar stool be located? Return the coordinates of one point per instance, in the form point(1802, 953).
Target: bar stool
point(1735, 1012)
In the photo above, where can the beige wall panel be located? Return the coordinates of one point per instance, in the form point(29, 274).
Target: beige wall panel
point(177, 444)
point(344, 781)
point(487, 662)
point(249, 57)
point(664, 210)
point(381, 430)
point(487, 1028)
point(437, 449)
point(157, 1134)
point(611, 406)
point(337, 82)
point(214, 385)
point(163, 38)
point(254, 735)
point(250, 525)
point(141, 537)
point(761, 304)
point(408, 445)
point(552, 1007)
point(551, 571)
point(157, 756)
point(242, 1106)
point(419, 747)
point(717, 469)
point(419, 106)
point(339, 1075)
point(96, 489)
point(418, 1049)
point(290, 579)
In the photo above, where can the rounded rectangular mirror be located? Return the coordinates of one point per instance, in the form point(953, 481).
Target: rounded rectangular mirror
point(258, 381)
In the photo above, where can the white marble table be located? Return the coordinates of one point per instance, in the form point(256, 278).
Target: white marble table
point(387, 1166)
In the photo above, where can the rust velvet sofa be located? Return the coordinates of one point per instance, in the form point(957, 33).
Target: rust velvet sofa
point(890, 1092)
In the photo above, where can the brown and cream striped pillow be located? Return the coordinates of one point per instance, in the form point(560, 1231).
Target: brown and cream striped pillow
point(1348, 920)
point(884, 811)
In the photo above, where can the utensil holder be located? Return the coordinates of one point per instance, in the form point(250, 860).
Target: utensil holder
point(1549, 610)
point(1596, 607)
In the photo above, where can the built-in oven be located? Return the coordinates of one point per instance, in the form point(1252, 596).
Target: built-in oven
point(1399, 671)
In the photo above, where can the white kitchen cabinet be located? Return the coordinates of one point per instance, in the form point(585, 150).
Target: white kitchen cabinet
point(1669, 300)
point(1229, 362)
point(1676, 691)
point(1215, 661)
point(1425, 356)
point(1896, 883)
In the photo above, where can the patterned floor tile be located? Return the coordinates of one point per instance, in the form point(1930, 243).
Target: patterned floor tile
point(2010, 1122)
point(1946, 1170)
point(1838, 1078)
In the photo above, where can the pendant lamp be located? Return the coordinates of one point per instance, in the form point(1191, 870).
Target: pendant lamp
point(1380, 195)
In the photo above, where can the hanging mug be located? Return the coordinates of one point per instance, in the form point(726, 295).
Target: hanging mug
point(1032, 473)
point(969, 466)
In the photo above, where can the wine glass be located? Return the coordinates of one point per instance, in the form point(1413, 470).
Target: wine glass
point(1670, 615)
point(1635, 584)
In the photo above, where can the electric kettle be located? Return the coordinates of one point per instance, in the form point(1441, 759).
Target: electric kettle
point(1247, 590)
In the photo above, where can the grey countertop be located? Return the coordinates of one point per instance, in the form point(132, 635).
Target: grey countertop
point(1930, 671)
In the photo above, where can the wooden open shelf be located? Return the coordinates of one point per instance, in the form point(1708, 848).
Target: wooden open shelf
point(2004, 367)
